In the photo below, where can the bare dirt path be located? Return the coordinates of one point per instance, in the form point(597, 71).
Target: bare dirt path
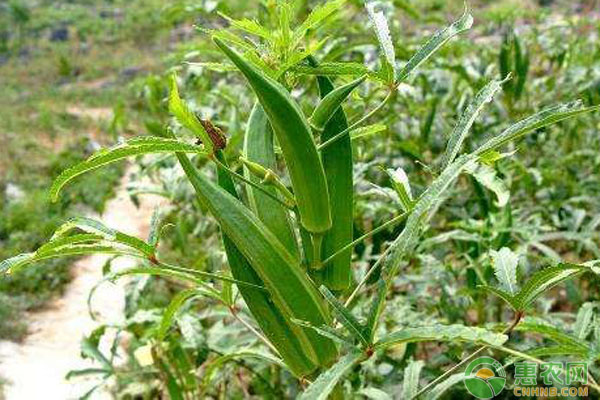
point(37, 367)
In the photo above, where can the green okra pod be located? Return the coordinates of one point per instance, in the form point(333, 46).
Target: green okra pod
point(330, 103)
point(337, 162)
point(297, 144)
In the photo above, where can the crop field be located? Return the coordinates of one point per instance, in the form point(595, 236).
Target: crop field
point(311, 199)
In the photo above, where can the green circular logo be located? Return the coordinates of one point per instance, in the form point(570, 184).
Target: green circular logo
point(485, 377)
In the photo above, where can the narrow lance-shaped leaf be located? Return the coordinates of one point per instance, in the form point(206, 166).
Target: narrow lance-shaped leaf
point(466, 120)
point(333, 69)
point(356, 329)
point(412, 373)
point(131, 147)
point(583, 322)
point(176, 303)
point(441, 388)
point(408, 238)
point(328, 106)
point(401, 186)
point(376, 310)
point(487, 177)
point(435, 42)
point(186, 117)
point(325, 383)
point(505, 264)
point(297, 144)
point(507, 297)
point(443, 333)
point(382, 31)
point(544, 280)
point(539, 120)
point(315, 18)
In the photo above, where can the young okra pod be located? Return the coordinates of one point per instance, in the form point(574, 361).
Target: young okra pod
point(297, 144)
point(290, 289)
point(337, 162)
point(328, 106)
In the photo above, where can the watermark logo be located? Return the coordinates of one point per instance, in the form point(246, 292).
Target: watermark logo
point(485, 378)
point(559, 379)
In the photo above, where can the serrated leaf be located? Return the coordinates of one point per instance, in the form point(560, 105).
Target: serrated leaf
point(315, 18)
point(327, 331)
point(176, 303)
point(346, 318)
point(249, 26)
point(408, 238)
point(132, 147)
point(366, 131)
point(544, 280)
point(552, 333)
point(505, 264)
point(559, 350)
point(333, 69)
point(434, 43)
point(583, 322)
point(539, 120)
point(401, 185)
point(376, 310)
point(510, 300)
point(324, 384)
point(412, 373)
point(186, 117)
point(487, 177)
point(466, 120)
point(442, 333)
point(382, 31)
point(441, 388)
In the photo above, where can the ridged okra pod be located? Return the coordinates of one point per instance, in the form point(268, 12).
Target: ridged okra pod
point(280, 331)
point(290, 289)
point(297, 144)
point(258, 148)
point(337, 163)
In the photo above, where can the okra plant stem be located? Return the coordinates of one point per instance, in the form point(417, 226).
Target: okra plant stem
point(317, 241)
point(359, 122)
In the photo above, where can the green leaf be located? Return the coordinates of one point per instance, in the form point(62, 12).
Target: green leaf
point(382, 31)
point(442, 333)
point(539, 120)
point(345, 317)
point(434, 43)
point(487, 177)
point(324, 384)
point(249, 26)
point(507, 297)
point(186, 117)
point(505, 264)
point(545, 280)
point(441, 388)
point(376, 309)
point(93, 226)
point(315, 18)
point(583, 322)
point(176, 303)
point(131, 147)
point(552, 333)
point(401, 185)
point(327, 331)
point(408, 238)
point(366, 131)
point(466, 120)
point(559, 350)
point(333, 69)
point(410, 385)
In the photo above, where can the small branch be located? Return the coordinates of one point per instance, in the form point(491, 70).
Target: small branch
point(340, 135)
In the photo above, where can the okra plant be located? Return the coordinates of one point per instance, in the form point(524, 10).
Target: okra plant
point(288, 232)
